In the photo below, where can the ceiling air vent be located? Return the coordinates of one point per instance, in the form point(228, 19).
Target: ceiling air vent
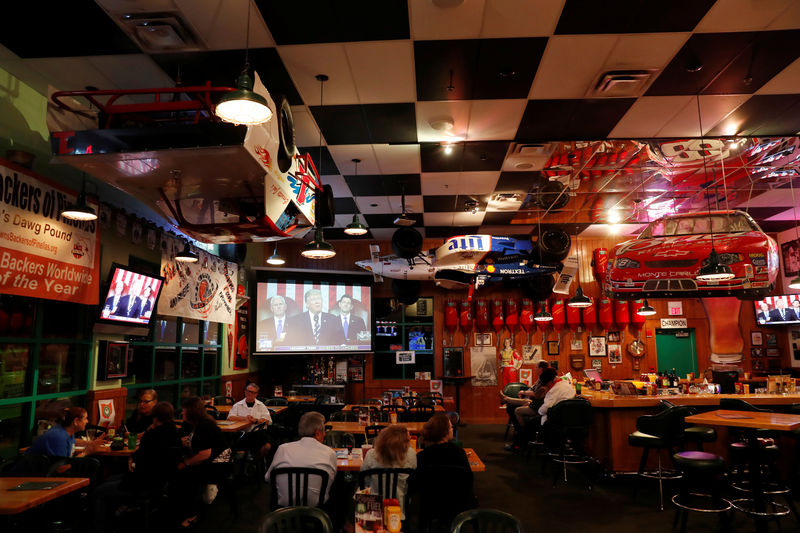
point(621, 83)
point(527, 156)
point(157, 26)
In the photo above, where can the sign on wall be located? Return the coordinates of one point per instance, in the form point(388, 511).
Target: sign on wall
point(43, 255)
point(671, 323)
point(205, 290)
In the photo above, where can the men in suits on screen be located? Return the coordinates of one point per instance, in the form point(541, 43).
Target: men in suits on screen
point(112, 302)
point(313, 326)
point(275, 327)
point(130, 305)
point(780, 313)
point(352, 324)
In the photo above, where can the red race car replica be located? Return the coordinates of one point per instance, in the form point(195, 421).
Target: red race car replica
point(665, 259)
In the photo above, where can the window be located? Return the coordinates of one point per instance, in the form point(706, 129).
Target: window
point(403, 328)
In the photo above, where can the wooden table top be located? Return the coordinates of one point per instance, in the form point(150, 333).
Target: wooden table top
point(608, 399)
point(353, 464)
point(747, 419)
point(295, 399)
point(106, 451)
point(349, 407)
point(231, 426)
point(16, 501)
point(355, 427)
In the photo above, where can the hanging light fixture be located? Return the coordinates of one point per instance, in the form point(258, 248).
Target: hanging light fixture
point(80, 210)
point(646, 309)
point(355, 227)
point(243, 106)
point(580, 299)
point(318, 248)
point(275, 258)
point(795, 283)
point(543, 315)
point(186, 255)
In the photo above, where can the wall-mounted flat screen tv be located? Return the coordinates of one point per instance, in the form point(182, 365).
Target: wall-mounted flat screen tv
point(778, 310)
point(130, 297)
point(312, 316)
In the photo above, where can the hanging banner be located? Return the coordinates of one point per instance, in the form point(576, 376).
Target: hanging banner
point(205, 290)
point(43, 255)
point(106, 410)
point(241, 358)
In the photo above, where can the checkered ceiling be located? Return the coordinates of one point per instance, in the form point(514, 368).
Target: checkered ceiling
point(527, 92)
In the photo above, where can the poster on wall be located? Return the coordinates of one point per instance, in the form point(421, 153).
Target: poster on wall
point(205, 290)
point(43, 255)
point(241, 358)
point(484, 366)
point(790, 252)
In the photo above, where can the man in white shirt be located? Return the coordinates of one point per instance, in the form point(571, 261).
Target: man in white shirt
point(558, 390)
point(308, 452)
point(255, 412)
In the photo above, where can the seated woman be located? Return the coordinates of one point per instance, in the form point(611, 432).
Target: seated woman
point(202, 442)
point(149, 467)
point(392, 450)
point(59, 440)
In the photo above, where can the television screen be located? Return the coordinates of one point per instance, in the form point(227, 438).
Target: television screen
point(131, 297)
point(778, 310)
point(303, 316)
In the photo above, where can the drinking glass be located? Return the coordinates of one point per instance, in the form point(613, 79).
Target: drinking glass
point(91, 434)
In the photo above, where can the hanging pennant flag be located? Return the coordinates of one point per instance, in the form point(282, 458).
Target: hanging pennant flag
point(107, 415)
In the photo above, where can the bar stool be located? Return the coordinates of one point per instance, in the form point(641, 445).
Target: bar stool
point(701, 471)
point(764, 459)
point(568, 424)
point(695, 434)
point(661, 431)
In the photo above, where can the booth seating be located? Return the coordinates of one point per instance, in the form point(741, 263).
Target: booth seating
point(701, 471)
point(661, 431)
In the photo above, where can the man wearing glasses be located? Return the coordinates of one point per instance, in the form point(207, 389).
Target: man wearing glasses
point(142, 417)
point(252, 410)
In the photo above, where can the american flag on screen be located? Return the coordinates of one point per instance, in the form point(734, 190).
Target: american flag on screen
point(330, 293)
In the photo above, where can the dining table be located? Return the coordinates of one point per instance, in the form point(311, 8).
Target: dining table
point(18, 494)
point(750, 422)
point(349, 407)
point(351, 462)
point(356, 427)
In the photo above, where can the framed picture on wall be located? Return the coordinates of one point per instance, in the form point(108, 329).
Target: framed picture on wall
point(756, 338)
point(552, 347)
point(112, 360)
point(483, 339)
point(772, 339)
point(756, 352)
point(773, 352)
point(597, 347)
point(614, 354)
point(613, 336)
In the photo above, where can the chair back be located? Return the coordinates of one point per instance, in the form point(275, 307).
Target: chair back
point(486, 521)
point(430, 398)
point(213, 413)
point(384, 480)
point(573, 417)
point(297, 488)
point(440, 492)
point(512, 389)
point(223, 400)
point(668, 424)
point(419, 413)
point(343, 416)
point(373, 401)
point(294, 519)
point(370, 432)
point(386, 411)
point(735, 404)
point(339, 439)
point(277, 401)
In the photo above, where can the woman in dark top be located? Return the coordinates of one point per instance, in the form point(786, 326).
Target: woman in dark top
point(202, 443)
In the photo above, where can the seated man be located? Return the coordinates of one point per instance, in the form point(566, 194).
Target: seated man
point(252, 410)
point(142, 417)
point(555, 391)
point(521, 409)
point(308, 452)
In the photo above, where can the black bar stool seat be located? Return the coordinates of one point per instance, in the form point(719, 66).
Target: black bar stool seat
point(701, 471)
point(700, 434)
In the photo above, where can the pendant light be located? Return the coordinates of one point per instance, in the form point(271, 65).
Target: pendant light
point(795, 283)
point(579, 300)
point(275, 258)
point(80, 210)
point(186, 255)
point(243, 106)
point(355, 227)
point(543, 315)
point(318, 248)
point(713, 270)
point(646, 309)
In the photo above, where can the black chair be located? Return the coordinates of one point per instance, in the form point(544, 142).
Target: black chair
point(419, 413)
point(661, 431)
point(430, 398)
point(343, 416)
point(384, 481)
point(223, 400)
point(486, 520)
point(387, 410)
point(437, 493)
point(695, 434)
point(339, 439)
point(701, 471)
point(568, 424)
point(297, 479)
point(213, 413)
point(277, 402)
point(297, 519)
point(512, 390)
point(370, 432)
point(373, 401)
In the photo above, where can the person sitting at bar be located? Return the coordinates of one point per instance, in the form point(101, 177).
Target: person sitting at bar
point(202, 442)
point(392, 450)
point(142, 417)
point(149, 467)
point(526, 405)
point(308, 452)
point(250, 409)
point(59, 440)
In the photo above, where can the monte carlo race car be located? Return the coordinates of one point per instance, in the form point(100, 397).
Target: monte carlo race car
point(664, 260)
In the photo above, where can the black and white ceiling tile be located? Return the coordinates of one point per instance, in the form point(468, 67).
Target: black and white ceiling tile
point(502, 80)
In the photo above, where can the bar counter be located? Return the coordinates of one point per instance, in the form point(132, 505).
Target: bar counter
point(615, 418)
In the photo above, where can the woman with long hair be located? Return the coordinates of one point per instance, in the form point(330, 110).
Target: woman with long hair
point(392, 450)
point(59, 440)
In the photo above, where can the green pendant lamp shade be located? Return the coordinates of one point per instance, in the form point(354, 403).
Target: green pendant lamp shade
point(243, 106)
point(318, 248)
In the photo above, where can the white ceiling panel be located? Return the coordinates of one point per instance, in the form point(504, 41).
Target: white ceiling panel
point(339, 186)
point(789, 214)
point(520, 18)
point(397, 158)
point(648, 115)
point(561, 75)
point(494, 120)
point(439, 183)
point(222, 24)
point(72, 73)
point(383, 70)
point(306, 132)
point(305, 61)
point(132, 71)
point(343, 155)
point(477, 182)
point(457, 110)
point(789, 19)
point(786, 82)
point(429, 21)
point(369, 205)
point(742, 15)
point(644, 51)
point(714, 108)
point(385, 234)
point(438, 219)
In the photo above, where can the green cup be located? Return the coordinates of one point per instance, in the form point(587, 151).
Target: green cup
point(578, 389)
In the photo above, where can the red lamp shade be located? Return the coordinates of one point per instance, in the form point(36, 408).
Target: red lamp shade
point(465, 319)
point(636, 319)
point(526, 320)
point(451, 318)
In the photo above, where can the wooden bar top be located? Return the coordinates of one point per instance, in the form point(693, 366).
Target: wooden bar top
point(349, 407)
point(747, 419)
point(353, 464)
point(355, 427)
point(16, 501)
point(607, 399)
